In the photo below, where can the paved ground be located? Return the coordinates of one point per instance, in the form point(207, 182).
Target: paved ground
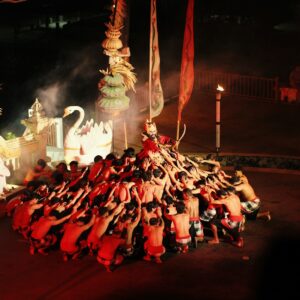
point(209, 272)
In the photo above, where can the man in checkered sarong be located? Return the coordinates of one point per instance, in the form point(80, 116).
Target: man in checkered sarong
point(231, 222)
point(250, 202)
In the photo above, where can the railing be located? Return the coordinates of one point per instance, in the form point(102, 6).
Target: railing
point(55, 134)
point(238, 85)
point(51, 136)
point(206, 81)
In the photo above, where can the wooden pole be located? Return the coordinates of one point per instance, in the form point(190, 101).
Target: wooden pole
point(218, 122)
point(113, 133)
point(150, 63)
point(177, 130)
point(115, 11)
point(125, 134)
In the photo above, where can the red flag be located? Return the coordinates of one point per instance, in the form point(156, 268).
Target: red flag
point(187, 61)
point(156, 92)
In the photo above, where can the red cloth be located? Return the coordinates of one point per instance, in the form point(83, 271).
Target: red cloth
point(187, 62)
point(148, 145)
point(154, 250)
point(109, 246)
point(96, 168)
point(164, 139)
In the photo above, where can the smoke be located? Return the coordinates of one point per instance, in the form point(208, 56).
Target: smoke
point(52, 97)
point(73, 82)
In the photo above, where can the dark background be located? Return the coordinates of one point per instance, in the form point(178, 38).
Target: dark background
point(61, 65)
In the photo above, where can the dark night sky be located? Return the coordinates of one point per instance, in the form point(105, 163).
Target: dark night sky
point(32, 59)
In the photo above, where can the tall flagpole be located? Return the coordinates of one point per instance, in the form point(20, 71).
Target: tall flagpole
point(150, 62)
point(187, 63)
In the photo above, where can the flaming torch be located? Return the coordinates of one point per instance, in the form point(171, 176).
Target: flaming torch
point(220, 89)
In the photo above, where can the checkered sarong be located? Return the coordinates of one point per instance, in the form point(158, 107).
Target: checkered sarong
point(249, 207)
point(208, 215)
point(198, 227)
point(230, 224)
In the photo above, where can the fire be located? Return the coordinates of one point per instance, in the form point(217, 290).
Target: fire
point(220, 88)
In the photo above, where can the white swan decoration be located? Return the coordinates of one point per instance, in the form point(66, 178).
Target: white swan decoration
point(85, 142)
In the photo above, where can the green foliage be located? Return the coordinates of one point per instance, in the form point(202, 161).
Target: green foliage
point(9, 135)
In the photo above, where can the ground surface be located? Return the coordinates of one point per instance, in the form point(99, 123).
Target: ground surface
point(209, 272)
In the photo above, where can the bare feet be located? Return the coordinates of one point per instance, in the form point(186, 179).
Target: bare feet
point(214, 242)
point(243, 223)
point(265, 216)
point(65, 257)
point(42, 251)
point(268, 216)
point(108, 268)
point(185, 249)
point(147, 258)
point(239, 243)
point(31, 250)
point(200, 239)
point(158, 260)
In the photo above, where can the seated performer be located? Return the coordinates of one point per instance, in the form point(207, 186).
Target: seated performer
point(74, 171)
point(154, 233)
point(109, 253)
point(40, 238)
point(96, 168)
point(62, 169)
point(70, 244)
point(101, 225)
point(192, 205)
point(152, 141)
point(23, 214)
point(181, 220)
point(233, 221)
point(132, 224)
point(41, 172)
point(250, 202)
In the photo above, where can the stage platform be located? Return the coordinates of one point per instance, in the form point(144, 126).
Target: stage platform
point(260, 270)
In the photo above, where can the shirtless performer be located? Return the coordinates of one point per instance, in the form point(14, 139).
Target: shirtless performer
point(132, 224)
point(182, 226)
point(154, 233)
point(185, 182)
point(109, 251)
point(122, 191)
point(22, 216)
point(211, 160)
point(129, 156)
point(100, 225)
point(96, 168)
point(238, 172)
point(41, 171)
point(250, 202)
point(147, 189)
point(107, 169)
point(69, 244)
point(40, 238)
point(192, 205)
point(162, 180)
point(233, 221)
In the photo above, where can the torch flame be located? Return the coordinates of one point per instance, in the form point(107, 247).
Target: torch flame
point(220, 88)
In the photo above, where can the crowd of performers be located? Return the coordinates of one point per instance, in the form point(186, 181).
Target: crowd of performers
point(134, 205)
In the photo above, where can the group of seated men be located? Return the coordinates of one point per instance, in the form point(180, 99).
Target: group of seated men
point(134, 205)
